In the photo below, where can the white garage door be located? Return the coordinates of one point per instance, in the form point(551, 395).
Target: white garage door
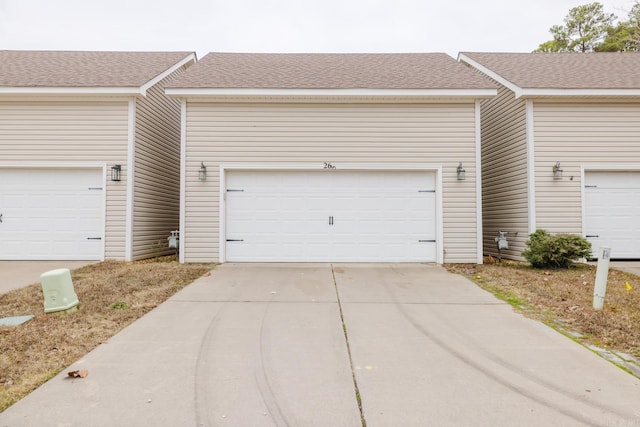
point(612, 212)
point(330, 216)
point(51, 214)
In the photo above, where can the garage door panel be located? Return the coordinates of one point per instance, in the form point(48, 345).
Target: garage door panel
point(612, 212)
point(51, 214)
point(330, 216)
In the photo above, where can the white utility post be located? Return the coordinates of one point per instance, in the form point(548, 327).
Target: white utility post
point(602, 271)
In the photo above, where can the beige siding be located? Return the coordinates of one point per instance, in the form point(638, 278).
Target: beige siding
point(504, 172)
point(309, 135)
point(157, 172)
point(36, 132)
point(578, 134)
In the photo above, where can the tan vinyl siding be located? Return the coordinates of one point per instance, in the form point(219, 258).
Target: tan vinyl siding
point(157, 172)
point(578, 134)
point(307, 135)
point(504, 172)
point(38, 132)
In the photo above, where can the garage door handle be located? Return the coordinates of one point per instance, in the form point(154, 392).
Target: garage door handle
point(94, 238)
point(0, 218)
point(591, 235)
point(330, 220)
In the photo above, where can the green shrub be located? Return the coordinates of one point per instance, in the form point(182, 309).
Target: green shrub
point(546, 250)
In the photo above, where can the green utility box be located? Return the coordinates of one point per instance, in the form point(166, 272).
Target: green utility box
point(58, 291)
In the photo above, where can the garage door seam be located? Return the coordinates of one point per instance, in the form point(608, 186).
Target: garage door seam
point(346, 339)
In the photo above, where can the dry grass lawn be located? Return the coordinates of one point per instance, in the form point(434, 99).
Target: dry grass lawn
point(563, 298)
point(112, 295)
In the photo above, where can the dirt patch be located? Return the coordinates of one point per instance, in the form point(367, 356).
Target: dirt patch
point(563, 298)
point(112, 295)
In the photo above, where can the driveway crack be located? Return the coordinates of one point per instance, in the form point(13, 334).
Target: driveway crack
point(346, 339)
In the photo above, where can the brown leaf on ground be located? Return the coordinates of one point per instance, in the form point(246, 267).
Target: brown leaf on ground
point(78, 374)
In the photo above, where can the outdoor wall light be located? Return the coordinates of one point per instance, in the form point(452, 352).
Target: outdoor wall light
point(461, 172)
point(115, 172)
point(202, 172)
point(557, 172)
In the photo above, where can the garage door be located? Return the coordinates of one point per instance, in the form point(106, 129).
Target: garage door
point(330, 216)
point(51, 214)
point(612, 212)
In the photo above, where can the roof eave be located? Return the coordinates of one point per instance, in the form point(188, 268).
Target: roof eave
point(188, 60)
point(492, 74)
point(89, 91)
point(577, 93)
point(331, 93)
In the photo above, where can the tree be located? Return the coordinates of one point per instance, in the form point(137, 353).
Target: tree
point(585, 27)
point(624, 37)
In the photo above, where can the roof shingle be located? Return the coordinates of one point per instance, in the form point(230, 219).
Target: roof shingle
point(613, 70)
point(330, 71)
point(83, 69)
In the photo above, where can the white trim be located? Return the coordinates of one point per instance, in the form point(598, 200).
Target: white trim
point(260, 92)
point(604, 93)
point(479, 230)
point(339, 166)
point(71, 91)
point(50, 165)
point(613, 168)
point(531, 165)
point(440, 217)
point(495, 76)
point(222, 232)
point(72, 165)
point(161, 76)
point(104, 210)
point(342, 166)
point(183, 177)
point(131, 140)
point(583, 207)
point(63, 98)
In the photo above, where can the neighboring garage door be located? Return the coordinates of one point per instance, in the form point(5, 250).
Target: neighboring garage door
point(612, 212)
point(51, 214)
point(331, 216)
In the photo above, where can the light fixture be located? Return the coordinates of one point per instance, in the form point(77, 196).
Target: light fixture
point(461, 172)
point(202, 172)
point(557, 172)
point(115, 172)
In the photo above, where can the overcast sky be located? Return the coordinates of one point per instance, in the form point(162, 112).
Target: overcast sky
point(205, 26)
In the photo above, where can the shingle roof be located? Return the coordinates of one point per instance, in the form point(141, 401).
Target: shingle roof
point(613, 70)
point(330, 71)
point(83, 69)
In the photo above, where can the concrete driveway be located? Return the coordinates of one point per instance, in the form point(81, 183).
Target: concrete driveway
point(331, 345)
point(17, 274)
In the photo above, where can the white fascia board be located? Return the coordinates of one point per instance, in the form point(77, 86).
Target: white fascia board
point(163, 75)
point(256, 92)
point(115, 91)
point(586, 93)
point(495, 76)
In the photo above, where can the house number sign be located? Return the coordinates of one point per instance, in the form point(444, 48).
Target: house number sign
point(328, 165)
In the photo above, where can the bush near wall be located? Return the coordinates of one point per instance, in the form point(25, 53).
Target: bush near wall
point(546, 250)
